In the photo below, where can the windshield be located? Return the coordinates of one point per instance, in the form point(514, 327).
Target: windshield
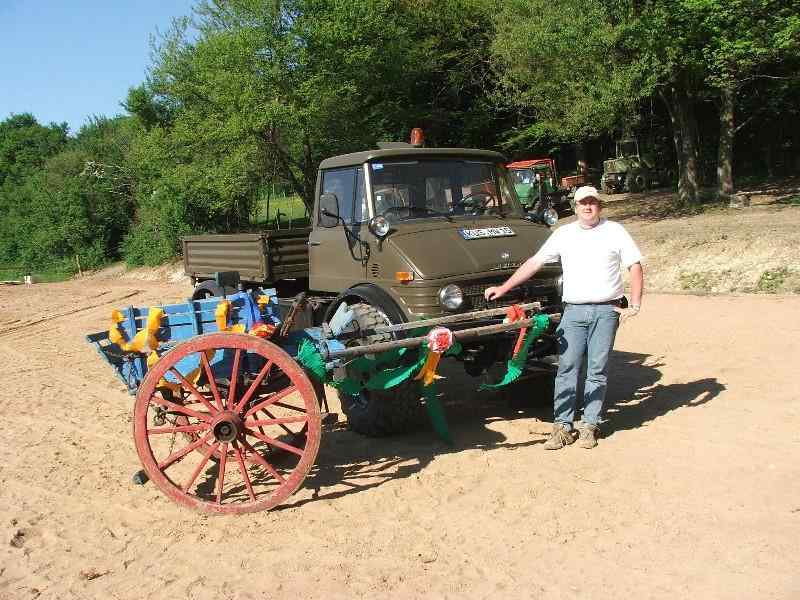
point(628, 148)
point(417, 189)
point(522, 176)
point(528, 176)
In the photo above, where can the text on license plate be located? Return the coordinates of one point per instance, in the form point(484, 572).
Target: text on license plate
point(486, 232)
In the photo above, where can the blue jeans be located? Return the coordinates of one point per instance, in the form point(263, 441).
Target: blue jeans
point(589, 329)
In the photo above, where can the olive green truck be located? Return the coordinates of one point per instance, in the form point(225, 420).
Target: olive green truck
point(397, 234)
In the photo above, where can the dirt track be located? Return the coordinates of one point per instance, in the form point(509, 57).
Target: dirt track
point(694, 492)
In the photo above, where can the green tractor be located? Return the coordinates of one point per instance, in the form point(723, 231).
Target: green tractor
point(629, 171)
point(535, 178)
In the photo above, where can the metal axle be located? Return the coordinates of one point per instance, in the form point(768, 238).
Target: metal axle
point(464, 334)
point(477, 314)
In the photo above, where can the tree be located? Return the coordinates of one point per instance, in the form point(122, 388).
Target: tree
point(25, 145)
point(581, 69)
point(745, 41)
point(562, 65)
point(74, 207)
point(262, 92)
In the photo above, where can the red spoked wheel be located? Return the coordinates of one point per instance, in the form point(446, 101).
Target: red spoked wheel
point(240, 448)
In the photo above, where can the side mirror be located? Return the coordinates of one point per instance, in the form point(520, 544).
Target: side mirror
point(328, 210)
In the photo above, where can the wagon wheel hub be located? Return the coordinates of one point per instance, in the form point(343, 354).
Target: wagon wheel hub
point(227, 427)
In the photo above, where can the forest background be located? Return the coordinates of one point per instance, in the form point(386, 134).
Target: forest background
point(244, 98)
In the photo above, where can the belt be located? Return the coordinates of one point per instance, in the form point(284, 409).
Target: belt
point(616, 302)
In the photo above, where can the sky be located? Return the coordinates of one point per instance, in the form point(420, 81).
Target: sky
point(69, 60)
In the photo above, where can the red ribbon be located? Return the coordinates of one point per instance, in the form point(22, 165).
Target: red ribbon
point(516, 313)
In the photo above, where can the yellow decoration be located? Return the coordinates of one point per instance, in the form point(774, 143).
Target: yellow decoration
point(428, 371)
point(114, 334)
point(221, 317)
point(145, 340)
point(221, 314)
point(192, 377)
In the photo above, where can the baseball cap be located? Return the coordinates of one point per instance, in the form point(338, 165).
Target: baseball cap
point(586, 191)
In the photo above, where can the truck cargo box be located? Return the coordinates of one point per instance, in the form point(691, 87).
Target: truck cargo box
point(258, 257)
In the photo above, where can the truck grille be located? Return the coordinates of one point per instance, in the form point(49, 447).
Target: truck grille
point(530, 291)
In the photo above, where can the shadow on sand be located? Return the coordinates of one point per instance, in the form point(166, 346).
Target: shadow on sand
point(349, 463)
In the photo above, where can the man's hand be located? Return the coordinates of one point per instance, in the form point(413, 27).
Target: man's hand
point(625, 313)
point(524, 272)
point(494, 292)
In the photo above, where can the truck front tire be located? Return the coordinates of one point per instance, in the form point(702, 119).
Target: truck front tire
point(378, 413)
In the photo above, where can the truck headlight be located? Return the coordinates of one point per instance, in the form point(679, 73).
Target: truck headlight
point(379, 226)
point(451, 297)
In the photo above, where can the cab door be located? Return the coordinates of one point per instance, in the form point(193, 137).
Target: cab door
point(337, 259)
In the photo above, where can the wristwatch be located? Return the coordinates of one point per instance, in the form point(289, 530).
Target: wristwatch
point(635, 308)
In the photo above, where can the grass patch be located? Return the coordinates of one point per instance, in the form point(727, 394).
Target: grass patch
point(280, 212)
point(791, 201)
point(772, 280)
point(695, 281)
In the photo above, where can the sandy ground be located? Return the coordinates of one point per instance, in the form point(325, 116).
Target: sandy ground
point(693, 492)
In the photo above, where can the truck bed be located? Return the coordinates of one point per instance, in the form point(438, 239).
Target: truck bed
point(264, 257)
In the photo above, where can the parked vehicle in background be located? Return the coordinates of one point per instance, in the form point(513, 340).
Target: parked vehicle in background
point(630, 171)
point(533, 179)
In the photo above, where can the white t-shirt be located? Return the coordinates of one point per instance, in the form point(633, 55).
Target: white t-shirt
point(591, 260)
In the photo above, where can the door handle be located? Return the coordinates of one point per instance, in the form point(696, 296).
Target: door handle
point(312, 243)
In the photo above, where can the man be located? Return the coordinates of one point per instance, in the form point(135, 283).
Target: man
point(592, 251)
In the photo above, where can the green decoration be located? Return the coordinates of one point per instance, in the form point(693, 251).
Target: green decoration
point(311, 360)
point(436, 412)
point(517, 363)
point(372, 374)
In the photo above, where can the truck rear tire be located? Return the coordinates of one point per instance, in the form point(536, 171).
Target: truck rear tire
point(382, 412)
point(207, 289)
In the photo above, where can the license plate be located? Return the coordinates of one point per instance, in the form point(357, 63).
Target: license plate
point(486, 232)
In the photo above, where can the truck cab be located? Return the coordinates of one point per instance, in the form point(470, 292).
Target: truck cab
point(426, 230)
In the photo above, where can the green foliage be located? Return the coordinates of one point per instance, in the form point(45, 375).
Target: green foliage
point(163, 217)
point(25, 145)
point(245, 96)
point(772, 280)
point(74, 209)
point(564, 64)
point(744, 38)
point(264, 91)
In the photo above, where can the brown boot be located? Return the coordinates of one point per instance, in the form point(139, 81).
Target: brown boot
point(588, 437)
point(559, 438)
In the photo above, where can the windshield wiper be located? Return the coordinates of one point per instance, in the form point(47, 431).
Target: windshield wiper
point(430, 211)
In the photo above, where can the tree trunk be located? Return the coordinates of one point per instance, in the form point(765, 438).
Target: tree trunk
point(689, 137)
point(580, 155)
point(676, 140)
point(725, 151)
point(302, 186)
point(769, 153)
point(684, 136)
